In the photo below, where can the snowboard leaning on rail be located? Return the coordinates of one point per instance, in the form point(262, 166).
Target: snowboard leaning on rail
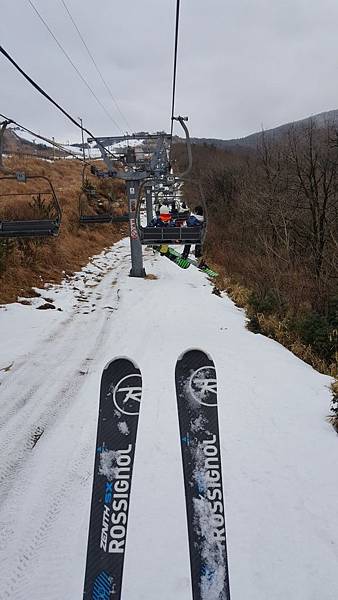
point(184, 263)
point(196, 389)
point(120, 397)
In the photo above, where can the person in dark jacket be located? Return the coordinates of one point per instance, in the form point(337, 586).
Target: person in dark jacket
point(173, 210)
point(196, 219)
point(182, 214)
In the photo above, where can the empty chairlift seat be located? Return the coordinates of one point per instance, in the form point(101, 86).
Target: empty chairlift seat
point(171, 235)
point(95, 207)
point(104, 218)
point(41, 200)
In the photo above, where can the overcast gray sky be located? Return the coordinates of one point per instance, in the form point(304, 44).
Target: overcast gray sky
point(243, 64)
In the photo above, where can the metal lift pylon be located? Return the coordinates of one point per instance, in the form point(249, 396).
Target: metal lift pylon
point(133, 179)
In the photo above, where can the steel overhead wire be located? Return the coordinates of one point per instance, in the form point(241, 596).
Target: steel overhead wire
point(95, 64)
point(48, 97)
point(175, 67)
point(73, 65)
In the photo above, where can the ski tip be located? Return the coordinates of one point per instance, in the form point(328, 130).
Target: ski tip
point(181, 356)
point(116, 358)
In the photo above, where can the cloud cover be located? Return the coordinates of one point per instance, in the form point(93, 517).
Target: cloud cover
point(242, 63)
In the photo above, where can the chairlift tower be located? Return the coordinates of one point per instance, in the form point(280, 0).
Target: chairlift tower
point(146, 179)
point(159, 164)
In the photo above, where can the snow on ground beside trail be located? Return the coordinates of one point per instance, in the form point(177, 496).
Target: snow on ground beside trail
point(279, 453)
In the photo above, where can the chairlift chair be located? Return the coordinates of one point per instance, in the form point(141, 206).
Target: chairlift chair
point(155, 236)
point(89, 195)
point(30, 228)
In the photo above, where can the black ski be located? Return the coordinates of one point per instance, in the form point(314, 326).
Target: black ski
point(196, 388)
point(120, 397)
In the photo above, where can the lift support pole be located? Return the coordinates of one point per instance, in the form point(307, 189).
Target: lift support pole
point(133, 178)
point(137, 269)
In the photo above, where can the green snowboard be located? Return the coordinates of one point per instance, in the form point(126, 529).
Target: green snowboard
point(184, 263)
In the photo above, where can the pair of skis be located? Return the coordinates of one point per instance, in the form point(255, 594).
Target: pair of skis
point(120, 398)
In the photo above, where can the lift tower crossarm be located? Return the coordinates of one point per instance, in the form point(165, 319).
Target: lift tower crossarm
point(109, 140)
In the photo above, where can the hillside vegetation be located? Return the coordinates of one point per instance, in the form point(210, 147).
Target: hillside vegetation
point(27, 263)
point(273, 232)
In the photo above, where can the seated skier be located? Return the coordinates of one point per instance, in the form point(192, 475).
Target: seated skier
point(183, 213)
point(174, 210)
point(155, 220)
point(196, 219)
point(162, 219)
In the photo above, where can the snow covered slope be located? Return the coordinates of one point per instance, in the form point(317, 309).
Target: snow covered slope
point(279, 454)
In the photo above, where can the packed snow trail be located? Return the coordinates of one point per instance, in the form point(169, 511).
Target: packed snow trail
point(279, 454)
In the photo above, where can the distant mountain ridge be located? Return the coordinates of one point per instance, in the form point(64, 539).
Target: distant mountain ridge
point(250, 141)
point(14, 143)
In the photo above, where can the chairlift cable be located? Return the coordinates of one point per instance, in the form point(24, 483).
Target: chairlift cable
point(175, 69)
point(74, 66)
point(95, 64)
point(48, 97)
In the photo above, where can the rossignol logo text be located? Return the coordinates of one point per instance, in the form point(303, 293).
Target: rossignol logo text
point(203, 386)
point(116, 502)
point(127, 394)
point(214, 488)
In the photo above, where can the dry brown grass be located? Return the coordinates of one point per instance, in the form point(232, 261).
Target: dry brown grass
point(243, 274)
point(32, 262)
point(271, 325)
